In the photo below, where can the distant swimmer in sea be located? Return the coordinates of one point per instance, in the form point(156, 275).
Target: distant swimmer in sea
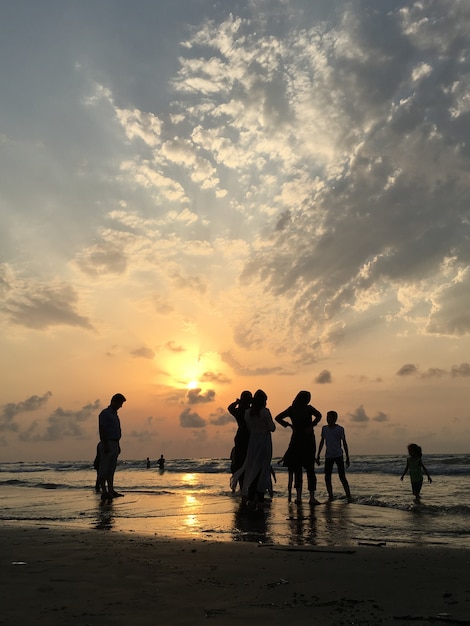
point(416, 469)
point(334, 437)
point(161, 463)
point(302, 447)
point(238, 410)
point(148, 463)
point(109, 448)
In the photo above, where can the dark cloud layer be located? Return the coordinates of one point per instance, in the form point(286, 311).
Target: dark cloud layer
point(189, 419)
point(197, 396)
point(41, 306)
point(10, 410)
point(62, 424)
point(324, 377)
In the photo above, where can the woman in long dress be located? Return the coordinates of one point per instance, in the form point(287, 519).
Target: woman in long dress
point(242, 436)
point(302, 447)
point(256, 469)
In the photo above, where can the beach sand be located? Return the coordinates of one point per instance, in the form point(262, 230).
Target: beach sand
point(52, 575)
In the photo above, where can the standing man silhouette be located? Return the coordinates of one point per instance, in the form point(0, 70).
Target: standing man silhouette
point(110, 435)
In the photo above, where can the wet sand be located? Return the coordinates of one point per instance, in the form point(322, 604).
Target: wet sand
point(53, 575)
point(195, 516)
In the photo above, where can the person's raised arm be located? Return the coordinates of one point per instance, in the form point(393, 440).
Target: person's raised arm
point(280, 419)
point(317, 415)
point(233, 407)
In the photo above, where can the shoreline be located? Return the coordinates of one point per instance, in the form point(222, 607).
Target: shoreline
point(90, 577)
point(195, 515)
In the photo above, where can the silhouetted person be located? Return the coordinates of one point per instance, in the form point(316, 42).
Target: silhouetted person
point(96, 465)
point(148, 463)
point(161, 463)
point(109, 448)
point(335, 438)
point(302, 447)
point(238, 410)
point(257, 465)
point(416, 468)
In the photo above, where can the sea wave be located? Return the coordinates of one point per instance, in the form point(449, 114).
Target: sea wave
point(437, 464)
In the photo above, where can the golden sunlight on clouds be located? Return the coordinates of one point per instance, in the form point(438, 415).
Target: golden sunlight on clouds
point(188, 369)
point(278, 203)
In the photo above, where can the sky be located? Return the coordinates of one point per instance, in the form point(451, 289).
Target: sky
point(198, 198)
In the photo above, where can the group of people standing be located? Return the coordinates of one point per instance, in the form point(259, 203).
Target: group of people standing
point(252, 453)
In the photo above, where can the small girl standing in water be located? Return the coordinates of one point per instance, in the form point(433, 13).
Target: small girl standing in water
point(416, 468)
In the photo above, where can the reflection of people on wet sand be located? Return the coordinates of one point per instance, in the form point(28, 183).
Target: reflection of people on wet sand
point(302, 527)
point(290, 480)
point(334, 436)
point(242, 436)
point(148, 463)
point(301, 451)
point(257, 465)
point(251, 528)
point(272, 479)
point(96, 465)
point(416, 468)
point(109, 449)
point(161, 463)
point(105, 517)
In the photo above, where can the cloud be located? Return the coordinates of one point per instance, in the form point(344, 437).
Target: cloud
point(142, 435)
point(144, 173)
point(220, 418)
point(366, 219)
point(12, 409)
point(460, 370)
point(381, 417)
point(61, 424)
point(138, 124)
point(162, 306)
point(247, 371)
point(407, 370)
point(450, 315)
point(296, 172)
point(102, 258)
point(191, 420)
point(196, 397)
point(359, 415)
point(194, 283)
point(144, 353)
point(434, 372)
point(335, 141)
point(173, 347)
point(186, 153)
point(323, 377)
point(215, 377)
point(39, 306)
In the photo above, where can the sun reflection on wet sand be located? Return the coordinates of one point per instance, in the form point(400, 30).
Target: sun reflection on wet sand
point(191, 519)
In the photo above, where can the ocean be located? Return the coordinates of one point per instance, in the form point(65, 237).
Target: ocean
point(192, 498)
